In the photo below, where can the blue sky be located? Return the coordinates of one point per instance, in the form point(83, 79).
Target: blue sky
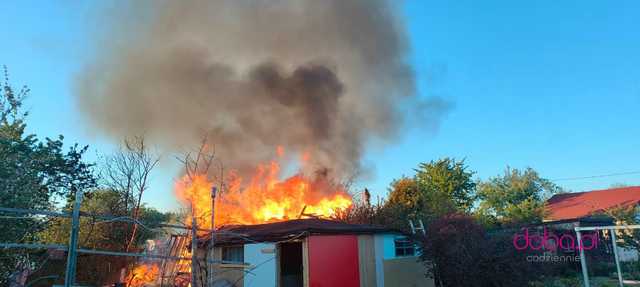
point(552, 85)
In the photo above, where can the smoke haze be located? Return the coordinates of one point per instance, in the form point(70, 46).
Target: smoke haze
point(316, 77)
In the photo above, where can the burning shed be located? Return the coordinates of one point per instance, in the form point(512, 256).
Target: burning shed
point(314, 253)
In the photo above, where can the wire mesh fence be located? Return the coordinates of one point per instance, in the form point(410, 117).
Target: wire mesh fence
point(72, 248)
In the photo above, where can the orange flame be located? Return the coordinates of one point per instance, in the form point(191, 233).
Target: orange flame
point(143, 275)
point(265, 198)
point(147, 274)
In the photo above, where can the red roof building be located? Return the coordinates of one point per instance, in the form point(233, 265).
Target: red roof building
point(583, 204)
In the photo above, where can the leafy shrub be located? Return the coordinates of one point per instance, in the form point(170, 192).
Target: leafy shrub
point(459, 252)
point(601, 268)
point(632, 270)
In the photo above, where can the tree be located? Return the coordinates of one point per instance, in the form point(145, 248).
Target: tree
point(515, 197)
point(103, 235)
point(448, 179)
point(438, 188)
point(406, 194)
point(378, 213)
point(627, 215)
point(127, 172)
point(33, 174)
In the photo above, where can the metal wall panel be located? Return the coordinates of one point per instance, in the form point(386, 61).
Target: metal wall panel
point(333, 261)
point(367, 260)
point(262, 257)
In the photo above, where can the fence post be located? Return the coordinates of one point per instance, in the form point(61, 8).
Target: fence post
point(72, 256)
point(615, 254)
point(194, 249)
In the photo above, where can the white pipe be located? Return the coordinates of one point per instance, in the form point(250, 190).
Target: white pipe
point(615, 254)
point(616, 227)
point(583, 260)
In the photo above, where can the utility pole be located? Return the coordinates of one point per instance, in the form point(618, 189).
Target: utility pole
point(214, 190)
point(72, 256)
point(194, 248)
point(212, 234)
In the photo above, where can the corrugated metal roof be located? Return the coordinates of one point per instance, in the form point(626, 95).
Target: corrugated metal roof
point(285, 230)
point(582, 204)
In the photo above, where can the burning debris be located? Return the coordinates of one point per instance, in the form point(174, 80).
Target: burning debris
point(166, 272)
point(142, 275)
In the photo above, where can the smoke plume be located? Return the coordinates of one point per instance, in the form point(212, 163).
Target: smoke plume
point(315, 77)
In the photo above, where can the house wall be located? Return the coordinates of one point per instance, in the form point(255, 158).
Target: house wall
point(378, 242)
point(305, 261)
point(227, 272)
point(367, 260)
point(263, 271)
point(333, 261)
point(393, 271)
point(405, 272)
point(389, 249)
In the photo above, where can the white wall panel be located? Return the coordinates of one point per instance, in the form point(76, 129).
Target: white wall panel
point(261, 256)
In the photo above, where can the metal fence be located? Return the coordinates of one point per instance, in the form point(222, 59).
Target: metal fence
point(73, 249)
point(614, 241)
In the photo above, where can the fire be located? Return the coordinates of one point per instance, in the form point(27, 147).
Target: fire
point(264, 198)
point(143, 275)
point(148, 274)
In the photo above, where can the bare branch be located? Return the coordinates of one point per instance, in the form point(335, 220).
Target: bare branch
point(127, 171)
point(201, 164)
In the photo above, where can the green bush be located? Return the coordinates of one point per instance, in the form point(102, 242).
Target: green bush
point(573, 281)
point(631, 270)
point(602, 269)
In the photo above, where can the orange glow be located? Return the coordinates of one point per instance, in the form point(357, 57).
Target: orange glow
point(263, 198)
point(143, 275)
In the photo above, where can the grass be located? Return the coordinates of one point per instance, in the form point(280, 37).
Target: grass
point(576, 282)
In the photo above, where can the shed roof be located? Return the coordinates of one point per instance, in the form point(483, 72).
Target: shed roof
point(288, 230)
point(583, 204)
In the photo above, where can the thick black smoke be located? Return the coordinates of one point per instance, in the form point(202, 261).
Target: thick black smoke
point(317, 77)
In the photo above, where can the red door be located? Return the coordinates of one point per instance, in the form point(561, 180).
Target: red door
point(333, 261)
